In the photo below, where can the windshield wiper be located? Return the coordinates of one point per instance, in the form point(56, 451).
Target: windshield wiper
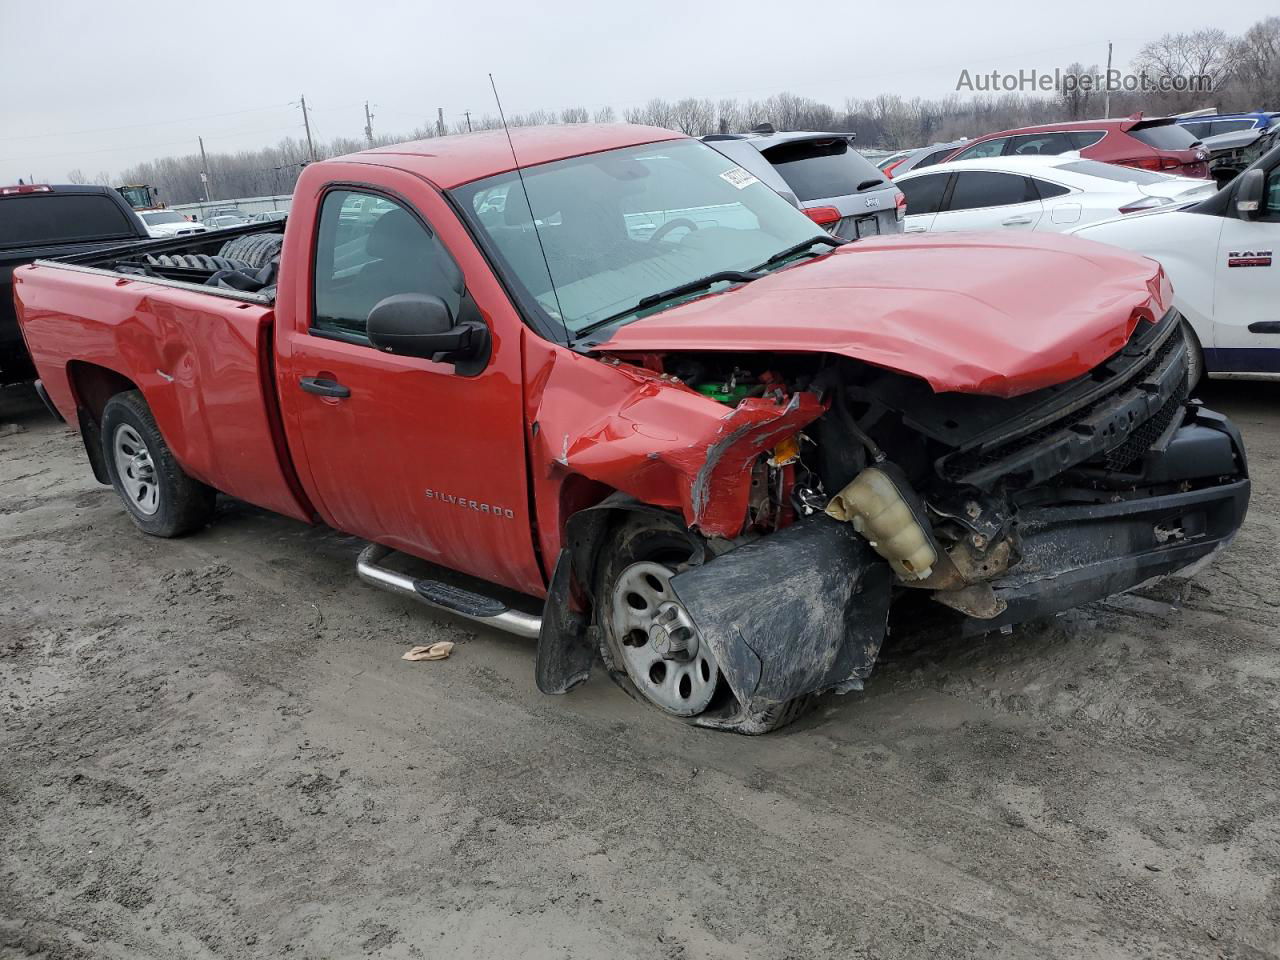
point(792, 250)
point(692, 286)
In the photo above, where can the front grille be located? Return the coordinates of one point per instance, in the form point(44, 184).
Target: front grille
point(1140, 441)
point(1128, 402)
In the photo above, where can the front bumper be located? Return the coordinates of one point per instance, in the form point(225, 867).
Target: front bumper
point(1075, 554)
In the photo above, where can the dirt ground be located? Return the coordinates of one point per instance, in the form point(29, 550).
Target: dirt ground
point(211, 748)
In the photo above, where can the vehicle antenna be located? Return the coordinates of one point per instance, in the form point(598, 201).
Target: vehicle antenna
point(525, 190)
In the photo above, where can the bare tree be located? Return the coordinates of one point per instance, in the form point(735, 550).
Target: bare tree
point(1257, 59)
point(1078, 98)
point(76, 176)
point(729, 118)
point(1202, 54)
point(656, 113)
point(694, 117)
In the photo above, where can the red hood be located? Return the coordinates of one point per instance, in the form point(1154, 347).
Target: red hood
point(976, 313)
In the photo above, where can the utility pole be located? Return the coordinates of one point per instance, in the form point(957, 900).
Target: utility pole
point(368, 124)
point(1106, 102)
point(204, 170)
point(306, 122)
point(439, 121)
point(467, 114)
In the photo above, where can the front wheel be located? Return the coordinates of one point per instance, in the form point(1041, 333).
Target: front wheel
point(648, 641)
point(161, 498)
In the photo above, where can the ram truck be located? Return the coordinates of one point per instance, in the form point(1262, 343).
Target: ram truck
point(1220, 255)
point(629, 402)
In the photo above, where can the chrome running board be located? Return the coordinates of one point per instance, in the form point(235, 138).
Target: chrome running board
point(445, 596)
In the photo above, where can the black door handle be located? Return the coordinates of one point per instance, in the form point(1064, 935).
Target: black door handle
point(324, 388)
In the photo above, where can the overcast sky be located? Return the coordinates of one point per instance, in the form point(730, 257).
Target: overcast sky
point(101, 84)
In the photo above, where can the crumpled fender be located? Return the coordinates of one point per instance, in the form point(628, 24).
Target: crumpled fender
point(650, 436)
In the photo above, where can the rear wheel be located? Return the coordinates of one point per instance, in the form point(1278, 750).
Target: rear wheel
point(161, 498)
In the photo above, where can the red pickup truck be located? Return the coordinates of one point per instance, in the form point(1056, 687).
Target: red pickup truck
point(632, 403)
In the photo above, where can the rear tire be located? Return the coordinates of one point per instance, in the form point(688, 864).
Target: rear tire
point(256, 249)
point(160, 497)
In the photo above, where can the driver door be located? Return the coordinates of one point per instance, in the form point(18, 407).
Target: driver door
point(405, 451)
point(1246, 296)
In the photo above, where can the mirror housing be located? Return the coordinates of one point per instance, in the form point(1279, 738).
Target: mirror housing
point(1249, 194)
point(422, 325)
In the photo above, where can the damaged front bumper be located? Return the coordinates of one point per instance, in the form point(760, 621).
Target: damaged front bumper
point(1077, 553)
point(804, 610)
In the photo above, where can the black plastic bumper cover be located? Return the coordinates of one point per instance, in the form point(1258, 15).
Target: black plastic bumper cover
point(799, 611)
point(1074, 554)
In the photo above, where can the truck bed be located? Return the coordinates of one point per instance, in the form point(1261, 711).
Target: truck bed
point(202, 358)
point(174, 260)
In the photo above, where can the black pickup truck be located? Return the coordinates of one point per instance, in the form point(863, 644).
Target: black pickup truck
point(38, 221)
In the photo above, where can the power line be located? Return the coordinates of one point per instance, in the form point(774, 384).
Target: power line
point(138, 126)
point(134, 146)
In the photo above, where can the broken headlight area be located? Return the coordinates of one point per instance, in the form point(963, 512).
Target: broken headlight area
point(1001, 509)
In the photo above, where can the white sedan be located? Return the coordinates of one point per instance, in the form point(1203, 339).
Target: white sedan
point(1057, 193)
point(170, 223)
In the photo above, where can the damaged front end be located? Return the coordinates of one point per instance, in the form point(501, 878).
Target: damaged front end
point(859, 487)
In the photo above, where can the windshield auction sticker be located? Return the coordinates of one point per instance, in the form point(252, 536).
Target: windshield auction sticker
point(738, 177)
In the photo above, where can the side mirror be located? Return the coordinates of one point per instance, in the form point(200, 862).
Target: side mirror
point(1249, 194)
point(421, 325)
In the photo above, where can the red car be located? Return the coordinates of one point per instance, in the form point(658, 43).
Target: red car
point(1160, 144)
point(646, 411)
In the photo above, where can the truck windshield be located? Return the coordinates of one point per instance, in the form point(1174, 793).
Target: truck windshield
point(163, 216)
point(626, 224)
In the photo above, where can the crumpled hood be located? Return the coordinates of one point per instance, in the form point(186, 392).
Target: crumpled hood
point(977, 313)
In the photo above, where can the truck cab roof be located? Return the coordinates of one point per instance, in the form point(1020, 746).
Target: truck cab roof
point(451, 161)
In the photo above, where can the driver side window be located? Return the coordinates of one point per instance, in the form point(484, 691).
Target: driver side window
point(369, 248)
point(1271, 195)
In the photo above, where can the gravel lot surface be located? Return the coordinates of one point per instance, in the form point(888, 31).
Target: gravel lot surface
point(210, 748)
